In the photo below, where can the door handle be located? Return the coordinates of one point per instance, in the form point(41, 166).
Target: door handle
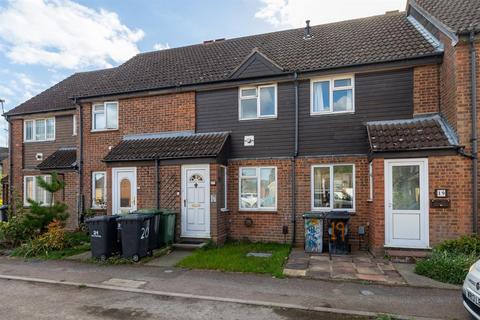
point(185, 203)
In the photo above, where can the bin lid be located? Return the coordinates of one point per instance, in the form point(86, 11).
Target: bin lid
point(101, 218)
point(339, 215)
point(135, 216)
point(3, 207)
point(167, 212)
point(149, 211)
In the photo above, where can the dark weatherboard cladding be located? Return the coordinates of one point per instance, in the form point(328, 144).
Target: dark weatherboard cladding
point(378, 96)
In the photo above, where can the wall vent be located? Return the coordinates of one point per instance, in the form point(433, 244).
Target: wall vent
point(39, 156)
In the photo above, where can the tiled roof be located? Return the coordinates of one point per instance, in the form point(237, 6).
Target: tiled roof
point(457, 15)
point(376, 39)
point(64, 158)
point(420, 133)
point(168, 146)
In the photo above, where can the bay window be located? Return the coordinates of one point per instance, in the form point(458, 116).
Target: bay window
point(333, 187)
point(99, 189)
point(39, 130)
point(258, 102)
point(258, 188)
point(332, 95)
point(34, 192)
point(105, 116)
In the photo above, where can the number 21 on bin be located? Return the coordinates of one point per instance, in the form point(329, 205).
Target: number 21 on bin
point(145, 233)
point(339, 226)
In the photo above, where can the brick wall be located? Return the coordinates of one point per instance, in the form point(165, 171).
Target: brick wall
point(267, 226)
point(426, 89)
point(361, 213)
point(172, 112)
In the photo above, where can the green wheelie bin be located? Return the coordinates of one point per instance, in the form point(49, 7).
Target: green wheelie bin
point(167, 226)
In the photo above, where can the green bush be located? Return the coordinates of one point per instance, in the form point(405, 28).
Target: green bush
point(450, 260)
point(15, 231)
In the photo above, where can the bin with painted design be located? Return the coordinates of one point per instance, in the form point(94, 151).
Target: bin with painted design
point(313, 232)
point(135, 229)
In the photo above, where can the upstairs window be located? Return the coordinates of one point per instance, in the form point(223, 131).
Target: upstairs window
point(332, 95)
point(39, 130)
point(105, 116)
point(258, 102)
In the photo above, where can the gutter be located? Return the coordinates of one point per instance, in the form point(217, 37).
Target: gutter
point(295, 154)
point(80, 204)
point(473, 73)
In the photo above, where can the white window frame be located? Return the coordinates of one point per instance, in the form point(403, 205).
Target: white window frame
point(74, 131)
point(34, 136)
point(257, 96)
point(94, 205)
point(257, 176)
point(104, 104)
point(44, 201)
point(225, 188)
point(312, 187)
point(331, 90)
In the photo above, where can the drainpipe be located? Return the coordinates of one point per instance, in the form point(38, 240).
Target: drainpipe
point(295, 154)
point(473, 66)
point(10, 164)
point(80, 161)
point(157, 184)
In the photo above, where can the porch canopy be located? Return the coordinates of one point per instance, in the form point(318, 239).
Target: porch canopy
point(422, 133)
point(168, 146)
point(62, 159)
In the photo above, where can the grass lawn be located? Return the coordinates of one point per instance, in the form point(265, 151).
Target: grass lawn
point(233, 257)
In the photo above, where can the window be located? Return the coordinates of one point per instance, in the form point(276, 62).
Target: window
point(99, 189)
point(333, 187)
point(223, 188)
point(74, 124)
point(34, 192)
point(258, 188)
point(370, 180)
point(105, 116)
point(332, 95)
point(39, 130)
point(258, 102)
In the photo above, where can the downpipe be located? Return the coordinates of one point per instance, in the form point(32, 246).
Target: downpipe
point(295, 154)
point(473, 66)
point(80, 162)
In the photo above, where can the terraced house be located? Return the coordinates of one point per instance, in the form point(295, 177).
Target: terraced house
point(376, 117)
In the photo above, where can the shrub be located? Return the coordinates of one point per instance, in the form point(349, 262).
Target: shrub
point(450, 260)
point(40, 215)
point(52, 240)
point(15, 231)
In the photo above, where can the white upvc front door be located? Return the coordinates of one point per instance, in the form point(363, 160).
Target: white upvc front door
point(195, 201)
point(406, 203)
point(124, 190)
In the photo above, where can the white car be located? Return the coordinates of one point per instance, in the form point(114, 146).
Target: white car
point(471, 291)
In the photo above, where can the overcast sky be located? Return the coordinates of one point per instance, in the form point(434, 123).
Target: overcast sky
point(43, 41)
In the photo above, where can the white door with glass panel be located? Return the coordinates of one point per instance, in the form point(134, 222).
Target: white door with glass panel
point(124, 190)
point(406, 203)
point(196, 201)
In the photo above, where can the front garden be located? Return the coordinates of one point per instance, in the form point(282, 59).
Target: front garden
point(450, 261)
point(266, 258)
point(39, 231)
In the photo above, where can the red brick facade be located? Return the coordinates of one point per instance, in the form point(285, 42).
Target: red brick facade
point(426, 89)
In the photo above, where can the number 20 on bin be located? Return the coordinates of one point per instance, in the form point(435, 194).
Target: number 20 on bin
point(339, 226)
point(145, 233)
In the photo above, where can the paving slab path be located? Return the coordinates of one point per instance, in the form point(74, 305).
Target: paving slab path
point(402, 300)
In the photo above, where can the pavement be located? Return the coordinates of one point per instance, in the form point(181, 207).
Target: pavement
point(246, 289)
point(359, 266)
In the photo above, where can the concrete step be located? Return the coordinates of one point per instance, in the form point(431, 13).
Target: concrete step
point(190, 244)
point(406, 255)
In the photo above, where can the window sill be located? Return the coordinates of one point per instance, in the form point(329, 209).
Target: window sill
point(226, 210)
point(316, 114)
point(243, 211)
point(39, 141)
point(103, 130)
point(260, 118)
